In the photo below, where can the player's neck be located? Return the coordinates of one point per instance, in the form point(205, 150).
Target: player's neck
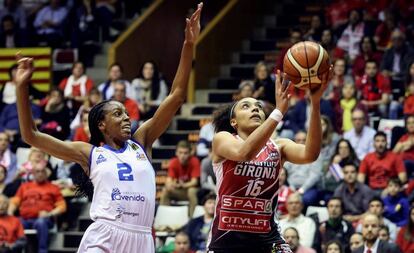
point(114, 144)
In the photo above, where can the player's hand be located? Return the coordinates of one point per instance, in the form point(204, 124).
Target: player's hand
point(24, 70)
point(282, 92)
point(192, 28)
point(316, 94)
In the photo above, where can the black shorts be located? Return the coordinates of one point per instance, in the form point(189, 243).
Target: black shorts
point(281, 248)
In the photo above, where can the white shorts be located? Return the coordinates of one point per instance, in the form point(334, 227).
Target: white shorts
point(105, 236)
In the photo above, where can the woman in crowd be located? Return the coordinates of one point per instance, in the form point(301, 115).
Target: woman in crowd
point(263, 84)
point(339, 78)
point(405, 145)
point(367, 51)
point(114, 76)
point(284, 192)
point(334, 247)
point(405, 237)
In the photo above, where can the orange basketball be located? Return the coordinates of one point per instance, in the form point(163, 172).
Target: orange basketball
point(304, 64)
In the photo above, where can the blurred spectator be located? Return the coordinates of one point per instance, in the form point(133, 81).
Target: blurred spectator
point(105, 11)
point(130, 105)
point(396, 207)
point(376, 207)
point(384, 233)
point(303, 178)
point(316, 28)
point(183, 177)
point(10, 36)
point(9, 121)
point(375, 89)
point(182, 243)
point(7, 157)
point(329, 141)
point(334, 247)
point(409, 98)
point(246, 89)
point(76, 87)
point(384, 30)
point(328, 42)
point(198, 228)
point(14, 9)
point(292, 238)
point(8, 92)
point(263, 85)
point(205, 137)
point(284, 192)
point(405, 238)
point(381, 165)
point(55, 120)
point(295, 37)
point(49, 23)
point(352, 34)
point(301, 115)
point(336, 227)
point(370, 232)
point(208, 178)
point(347, 104)
point(33, 6)
point(38, 202)
point(368, 51)
point(36, 159)
point(396, 60)
point(94, 97)
point(84, 30)
point(356, 195)
point(356, 241)
point(345, 154)
point(7, 189)
point(148, 89)
point(82, 133)
point(114, 75)
point(405, 146)
point(12, 234)
point(305, 226)
point(360, 136)
point(339, 78)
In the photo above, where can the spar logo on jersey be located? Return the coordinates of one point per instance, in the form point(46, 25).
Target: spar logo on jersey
point(126, 196)
point(100, 159)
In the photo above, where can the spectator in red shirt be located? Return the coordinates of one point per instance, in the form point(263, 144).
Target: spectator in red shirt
point(405, 237)
point(182, 243)
point(409, 99)
point(405, 145)
point(381, 165)
point(12, 238)
point(384, 30)
point(375, 89)
point(130, 105)
point(82, 132)
point(368, 51)
point(77, 86)
point(183, 177)
point(38, 201)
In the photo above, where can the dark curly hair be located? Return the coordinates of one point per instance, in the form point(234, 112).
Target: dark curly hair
point(222, 117)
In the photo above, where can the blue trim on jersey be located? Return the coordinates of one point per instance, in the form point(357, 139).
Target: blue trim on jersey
point(121, 150)
point(142, 147)
point(90, 159)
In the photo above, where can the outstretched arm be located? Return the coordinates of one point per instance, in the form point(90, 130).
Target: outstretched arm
point(301, 154)
point(154, 127)
point(70, 151)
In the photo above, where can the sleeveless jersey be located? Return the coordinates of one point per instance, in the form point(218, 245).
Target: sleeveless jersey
point(246, 201)
point(124, 185)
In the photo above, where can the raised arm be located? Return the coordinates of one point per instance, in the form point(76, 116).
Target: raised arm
point(299, 153)
point(225, 146)
point(154, 127)
point(69, 151)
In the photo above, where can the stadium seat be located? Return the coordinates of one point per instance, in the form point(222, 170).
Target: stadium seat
point(63, 59)
point(321, 211)
point(170, 218)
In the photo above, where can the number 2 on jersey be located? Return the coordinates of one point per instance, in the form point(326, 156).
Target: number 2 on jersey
point(125, 172)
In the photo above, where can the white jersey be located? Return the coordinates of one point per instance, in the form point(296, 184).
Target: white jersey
point(124, 185)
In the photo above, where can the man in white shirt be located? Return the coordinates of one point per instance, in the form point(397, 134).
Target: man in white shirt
point(361, 136)
point(370, 232)
point(304, 225)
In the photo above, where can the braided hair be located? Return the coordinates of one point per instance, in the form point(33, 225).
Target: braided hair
point(84, 186)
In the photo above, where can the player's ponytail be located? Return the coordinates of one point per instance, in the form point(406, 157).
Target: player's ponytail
point(222, 117)
point(84, 186)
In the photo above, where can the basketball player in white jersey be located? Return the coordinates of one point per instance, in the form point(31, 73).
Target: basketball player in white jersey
point(247, 165)
point(117, 162)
